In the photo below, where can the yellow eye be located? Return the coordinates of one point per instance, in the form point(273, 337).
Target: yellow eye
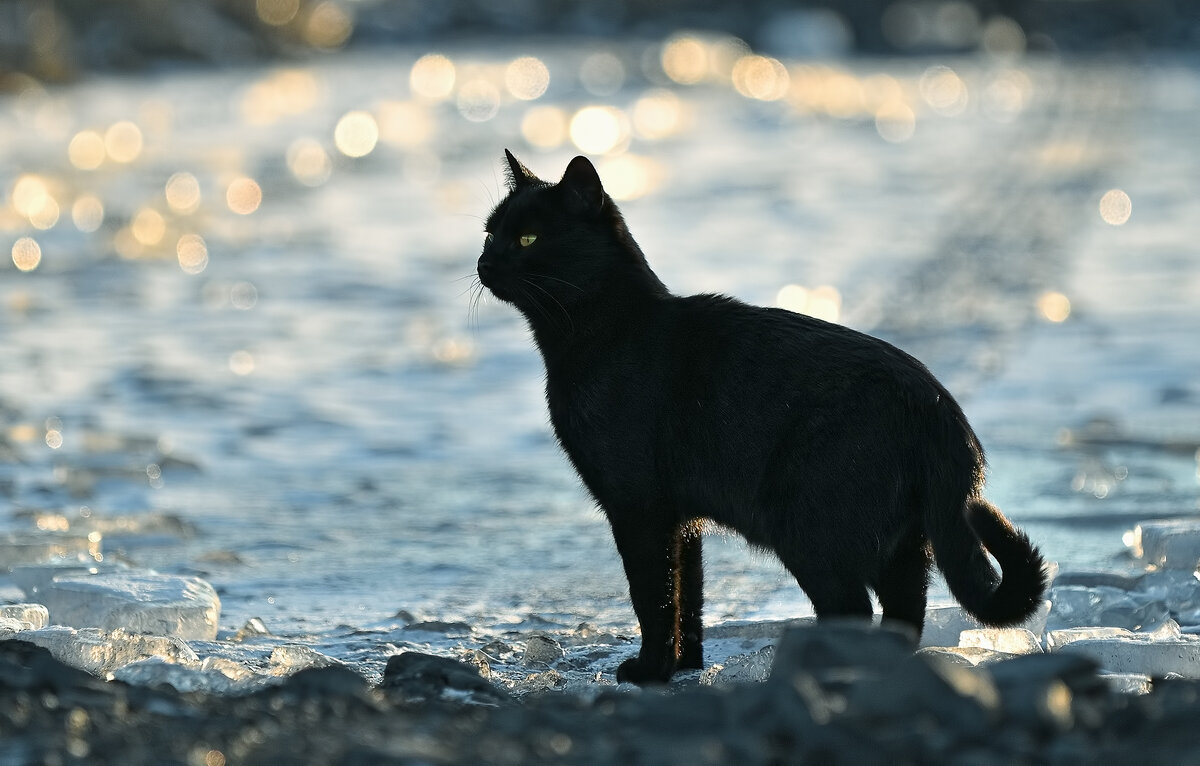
point(526, 240)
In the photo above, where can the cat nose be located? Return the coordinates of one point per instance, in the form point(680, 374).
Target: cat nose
point(484, 268)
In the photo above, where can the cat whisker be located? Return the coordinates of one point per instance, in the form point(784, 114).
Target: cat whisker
point(557, 302)
point(556, 279)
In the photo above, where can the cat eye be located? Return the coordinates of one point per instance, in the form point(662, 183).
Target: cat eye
point(525, 240)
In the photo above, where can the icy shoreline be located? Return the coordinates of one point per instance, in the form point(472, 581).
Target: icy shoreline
point(145, 628)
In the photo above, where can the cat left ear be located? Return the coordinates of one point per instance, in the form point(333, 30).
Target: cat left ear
point(518, 174)
point(581, 178)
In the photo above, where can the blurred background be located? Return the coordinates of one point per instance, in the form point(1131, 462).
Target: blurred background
point(242, 338)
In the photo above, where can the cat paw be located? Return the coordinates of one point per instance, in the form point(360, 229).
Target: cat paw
point(636, 671)
point(691, 660)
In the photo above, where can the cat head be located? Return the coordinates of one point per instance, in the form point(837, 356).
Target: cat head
point(550, 247)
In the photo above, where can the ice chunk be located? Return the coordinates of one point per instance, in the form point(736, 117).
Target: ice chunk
point(32, 578)
point(944, 624)
point(27, 616)
point(41, 547)
point(1145, 654)
point(290, 658)
point(162, 605)
point(965, 656)
point(101, 653)
point(1007, 640)
point(1076, 606)
point(740, 668)
point(206, 677)
point(1127, 683)
point(1173, 543)
point(1057, 639)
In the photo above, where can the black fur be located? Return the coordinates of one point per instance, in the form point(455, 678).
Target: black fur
point(837, 451)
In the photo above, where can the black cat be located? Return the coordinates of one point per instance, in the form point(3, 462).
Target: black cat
point(837, 451)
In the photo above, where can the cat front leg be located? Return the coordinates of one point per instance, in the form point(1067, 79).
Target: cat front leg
point(647, 548)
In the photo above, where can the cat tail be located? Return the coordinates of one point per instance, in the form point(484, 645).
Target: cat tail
point(958, 547)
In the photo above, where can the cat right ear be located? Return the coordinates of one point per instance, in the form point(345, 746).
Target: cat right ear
point(519, 175)
point(581, 178)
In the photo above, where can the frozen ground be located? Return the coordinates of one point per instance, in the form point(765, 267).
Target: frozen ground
point(307, 410)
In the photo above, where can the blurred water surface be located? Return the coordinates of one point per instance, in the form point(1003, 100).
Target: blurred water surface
point(245, 298)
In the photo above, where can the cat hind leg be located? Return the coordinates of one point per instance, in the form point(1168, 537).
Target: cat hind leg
point(904, 581)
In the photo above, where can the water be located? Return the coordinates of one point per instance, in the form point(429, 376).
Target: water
point(349, 433)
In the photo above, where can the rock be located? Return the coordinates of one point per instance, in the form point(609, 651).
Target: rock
point(440, 627)
point(162, 605)
point(541, 650)
point(419, 676)
point(1007, 640)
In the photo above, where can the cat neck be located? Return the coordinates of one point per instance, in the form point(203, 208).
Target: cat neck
point(616, 307)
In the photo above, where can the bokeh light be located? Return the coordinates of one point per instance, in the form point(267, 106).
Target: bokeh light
point(241, 362)
point(86, 150)
point(87, 213)
point(628, 176)
point(329, 25)
point(308, 162)
point(356, 134)
point(277, 12)
point(599, 129)
point(944, 90)
point(526, 78)
point(478, 100)
point(404, 123)
point(823, 302)
point(183, 192)
point(1054, 306)
point(192, 253)
point(895, 122)
point(760, 77)
point(544, 127)
point(602, 74)
point(685, 59)
point(123, 142)
point(658, 114)
point(1115, 207)
point(432, 77)
point(243, 195)
point(26, 254)
point(148, 227)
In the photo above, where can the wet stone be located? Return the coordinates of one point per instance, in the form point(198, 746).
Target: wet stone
point(541, 650)
point(290, 658)
point(420, 676)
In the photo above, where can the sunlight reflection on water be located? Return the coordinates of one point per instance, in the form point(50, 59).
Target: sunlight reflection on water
point(291, 305)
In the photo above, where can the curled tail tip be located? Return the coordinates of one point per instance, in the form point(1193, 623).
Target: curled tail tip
point(1025, 574)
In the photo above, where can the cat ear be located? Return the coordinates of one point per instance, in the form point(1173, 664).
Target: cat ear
point(518, 174)
point(581, 178)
